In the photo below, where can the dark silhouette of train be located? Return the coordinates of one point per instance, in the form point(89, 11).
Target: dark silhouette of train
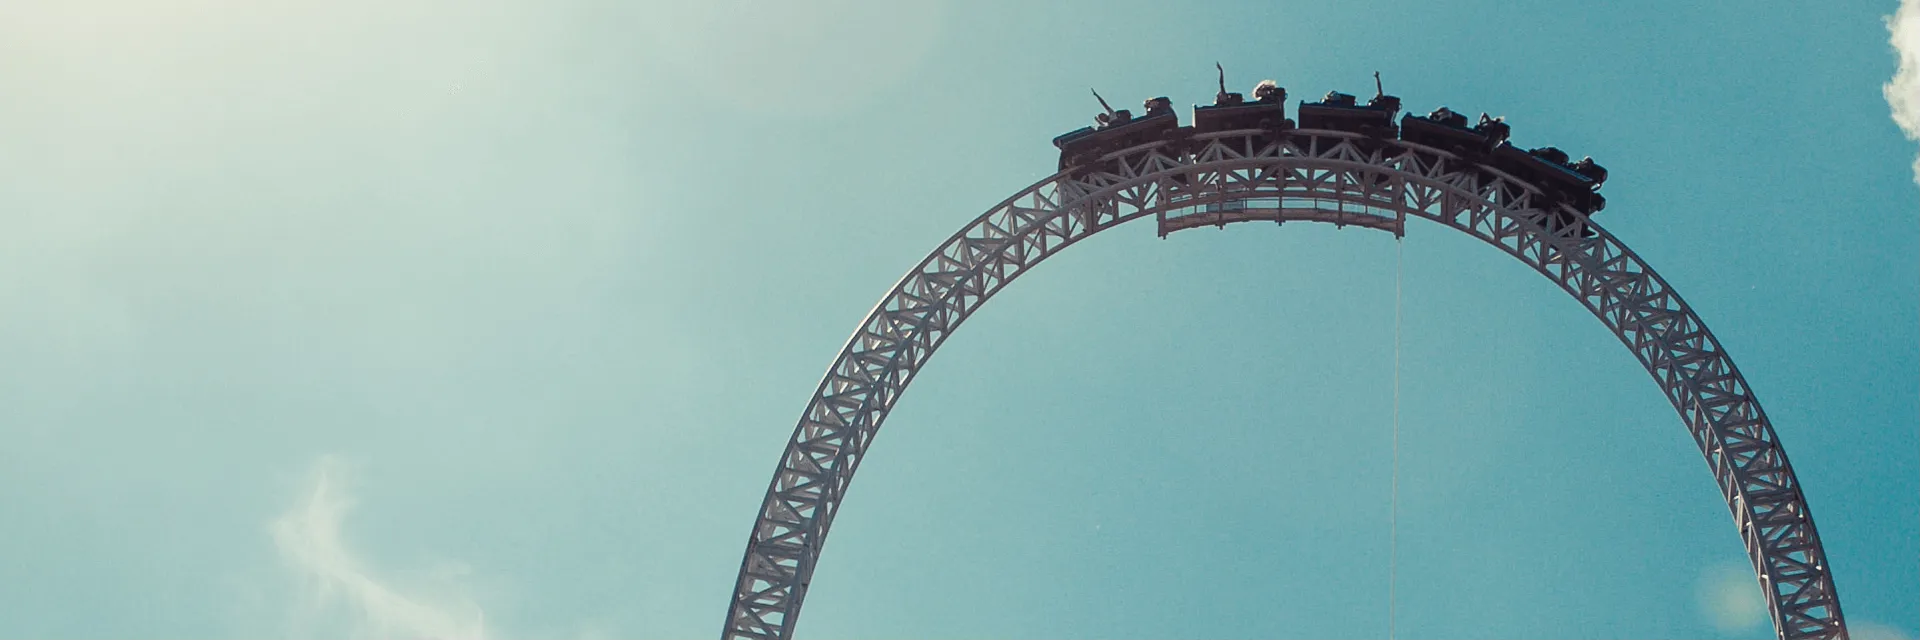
point(1264, 118)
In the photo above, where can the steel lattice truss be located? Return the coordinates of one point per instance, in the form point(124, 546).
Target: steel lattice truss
point(1248, 175)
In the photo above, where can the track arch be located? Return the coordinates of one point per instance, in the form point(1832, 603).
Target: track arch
point(1304, 175)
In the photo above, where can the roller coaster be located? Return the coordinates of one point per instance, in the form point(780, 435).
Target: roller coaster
point(1343, 163)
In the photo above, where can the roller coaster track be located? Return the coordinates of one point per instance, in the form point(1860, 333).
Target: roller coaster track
point(1194, 180)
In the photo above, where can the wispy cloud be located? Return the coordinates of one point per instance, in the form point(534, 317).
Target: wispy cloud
point(337, 582)
point(1730, 596)
point(1904, 91)
point(1871, 630)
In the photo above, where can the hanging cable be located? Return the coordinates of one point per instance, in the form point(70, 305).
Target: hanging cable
point(1394, 491)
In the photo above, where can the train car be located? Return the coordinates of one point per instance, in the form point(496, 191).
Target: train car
point(1549, 169)
point(1448, 130)
point(1231, 111)
point(1115, 130)
point(1339, 112)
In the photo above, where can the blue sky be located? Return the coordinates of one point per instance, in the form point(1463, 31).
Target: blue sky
point(468, 319)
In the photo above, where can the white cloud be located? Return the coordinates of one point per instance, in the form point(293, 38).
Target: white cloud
point(1870, 630)
point(1903, 91)
point(1731, 598)
point(334, 578)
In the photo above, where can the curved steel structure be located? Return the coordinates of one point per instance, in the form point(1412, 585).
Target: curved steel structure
point(1313, 175)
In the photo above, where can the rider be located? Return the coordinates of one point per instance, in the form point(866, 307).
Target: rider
point(1157, 106)
point(1108, 116)
point(1224, 98)
point(1269, 92)
point(1494, 128)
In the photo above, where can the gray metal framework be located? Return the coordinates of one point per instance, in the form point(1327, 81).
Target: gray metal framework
point(1312, 175)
